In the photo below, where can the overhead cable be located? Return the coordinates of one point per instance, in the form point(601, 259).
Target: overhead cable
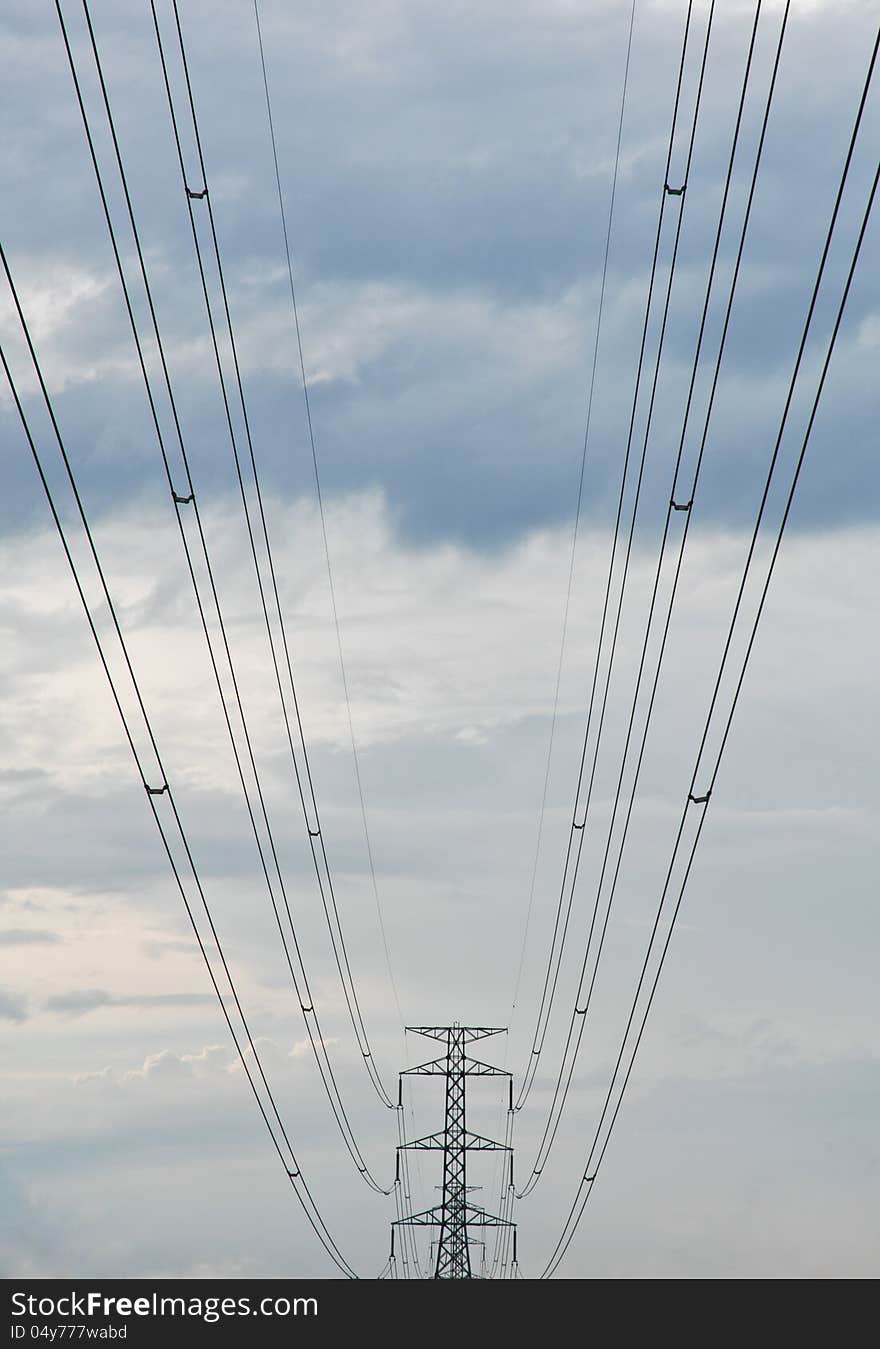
point(594, 1158)
point(581, 1004)
point(303, 992)
point(578, 825)
point(577, 518)
point(320, 499)
point(158, 785)
point(282, 657)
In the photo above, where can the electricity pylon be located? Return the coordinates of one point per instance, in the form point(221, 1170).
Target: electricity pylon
point(454, 1215)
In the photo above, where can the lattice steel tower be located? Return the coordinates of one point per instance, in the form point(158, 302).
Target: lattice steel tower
point(454, 1215)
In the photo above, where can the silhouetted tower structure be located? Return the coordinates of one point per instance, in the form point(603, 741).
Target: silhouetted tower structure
point(454, 1215)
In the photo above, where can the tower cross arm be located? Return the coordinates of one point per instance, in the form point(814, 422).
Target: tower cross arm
point(471, 1068)
point(467, 1033)
point(477, 1143)
point(433, 1217)
point(436, 1140)
point(478, 1217)
point(476, 1068)
point(429, 1217)
point(471, 1141)
point(434, 1068)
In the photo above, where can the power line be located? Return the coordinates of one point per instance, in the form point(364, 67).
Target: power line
point(580, 1012)
point(577, 829)
point(404, 1191)
point(311, 430)
point(586, 1184)
point(320, 499)
point(306, 1001)
point(164, 788)
point(501, 1232)
point(503, 1235)
point(310, 809)
point(577, 514)
point(687, 507)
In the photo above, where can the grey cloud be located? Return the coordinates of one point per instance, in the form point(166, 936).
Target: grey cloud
point(22, 777)
point(489, 188)
point(24, 936)
point(761, 1041)
point(12, 1007)
point(166, 946)
point(80, 1001)
point(33, 1244)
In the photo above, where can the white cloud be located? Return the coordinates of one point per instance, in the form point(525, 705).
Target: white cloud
point(165, 1065)
point(68, 309)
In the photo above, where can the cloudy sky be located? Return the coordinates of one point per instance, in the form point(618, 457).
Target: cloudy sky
point(447, 171)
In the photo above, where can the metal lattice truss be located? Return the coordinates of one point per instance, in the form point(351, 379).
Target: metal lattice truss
point(454, 1215)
